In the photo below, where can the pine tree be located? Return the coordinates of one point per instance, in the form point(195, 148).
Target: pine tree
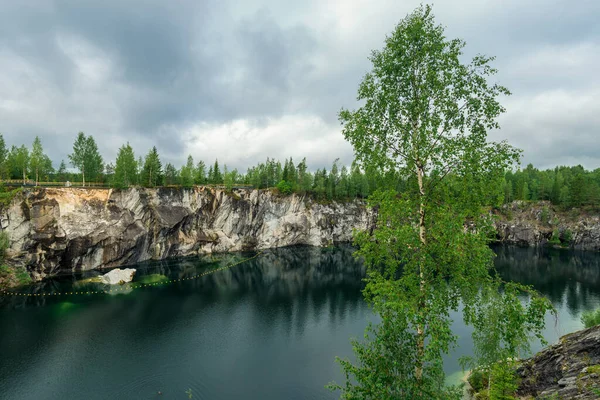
point(152, 173)
point(126, 167)
point(200, 173)
point(187, 173)
point(217, 175)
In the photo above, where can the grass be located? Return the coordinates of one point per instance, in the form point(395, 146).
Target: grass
point(591, 318)
point(14, 276)
point(7, 197)
point(22, 276)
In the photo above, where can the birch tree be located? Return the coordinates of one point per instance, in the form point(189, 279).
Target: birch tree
point(425, 118)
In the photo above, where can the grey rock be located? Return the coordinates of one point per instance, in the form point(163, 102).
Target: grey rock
point(567, 369)
point(524, 223)
point(56, 230)
point(118, 276)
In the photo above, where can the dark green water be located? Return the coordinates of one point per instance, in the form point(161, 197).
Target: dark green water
point(266, 329)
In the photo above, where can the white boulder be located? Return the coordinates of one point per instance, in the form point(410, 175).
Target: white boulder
point(118, 276)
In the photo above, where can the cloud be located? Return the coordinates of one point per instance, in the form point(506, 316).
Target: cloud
point(242, 142)
point(264, 78)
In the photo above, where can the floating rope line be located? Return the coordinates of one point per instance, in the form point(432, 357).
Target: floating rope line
point(131, 287)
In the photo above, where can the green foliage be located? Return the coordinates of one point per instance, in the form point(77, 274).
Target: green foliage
point(504, 381)
point(86, 157)
point(498, 382)
point(152, 174)
point(566, 187)
point(7, 197)
point(423, 129)
point(17, 162)
point(22, 276)
point(230, 177)
point(187, 173)
point(171, 175)
point(125, 173)
point(591, 318)
point(478, 379)
point(385, 368)
point(545, 215)
point(4, 244)
point(3, 157)
point(284, 187)
point(555, 238)
point(214, 174)
point(567, 236)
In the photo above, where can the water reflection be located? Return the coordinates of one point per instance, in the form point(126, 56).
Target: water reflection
point(568, 278)
point(287, 313)
point(269, 328)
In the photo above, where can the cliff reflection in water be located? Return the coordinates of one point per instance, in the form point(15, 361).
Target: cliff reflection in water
point(566, 277)
point(271, 327)
point(285, 281)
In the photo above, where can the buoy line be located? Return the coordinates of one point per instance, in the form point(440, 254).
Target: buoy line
point(130, 287)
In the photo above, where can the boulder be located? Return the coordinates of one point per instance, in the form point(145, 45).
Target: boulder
point(118, 276)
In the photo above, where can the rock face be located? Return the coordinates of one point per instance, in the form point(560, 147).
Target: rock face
point(567, 370)
point(118, 276)
point(533, 224)
point(71, 229)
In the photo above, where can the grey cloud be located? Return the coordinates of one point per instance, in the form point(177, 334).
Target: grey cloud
point(181, 63)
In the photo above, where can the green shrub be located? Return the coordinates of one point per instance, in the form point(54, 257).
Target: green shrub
point(284, 187)
point(4, 244)
point(567, 236)
point(7, 197)
point(22, 276)
point(555, 239)
point(545, 215)
point(591, 318)
point(504, 381)
point(478, 380)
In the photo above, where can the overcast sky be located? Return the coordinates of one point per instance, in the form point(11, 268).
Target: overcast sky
point(244, 80)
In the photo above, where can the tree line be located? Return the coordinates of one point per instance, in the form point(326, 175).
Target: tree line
point(564, 186)
point(32, 164)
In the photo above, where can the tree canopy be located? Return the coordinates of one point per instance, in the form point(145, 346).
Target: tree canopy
point(125, 173)
point(86, 157)
point(424, 119)
point(152, 173)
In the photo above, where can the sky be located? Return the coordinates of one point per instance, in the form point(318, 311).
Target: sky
point(240, 81)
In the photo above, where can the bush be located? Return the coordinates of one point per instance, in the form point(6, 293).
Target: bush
point(567, 236)
point(555, 239)
point(284, 187)
point(504, 381)
point(591, 318)
point(4, 244)
point(22, 276)
point(7, 197)
point(478, 380)
point(545, 215)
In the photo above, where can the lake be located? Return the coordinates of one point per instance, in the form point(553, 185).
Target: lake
point(269, 328)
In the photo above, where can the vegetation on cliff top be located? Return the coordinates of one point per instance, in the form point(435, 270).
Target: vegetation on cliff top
point(565, 187)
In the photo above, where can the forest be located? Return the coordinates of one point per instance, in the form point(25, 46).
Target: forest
point(564, 186)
